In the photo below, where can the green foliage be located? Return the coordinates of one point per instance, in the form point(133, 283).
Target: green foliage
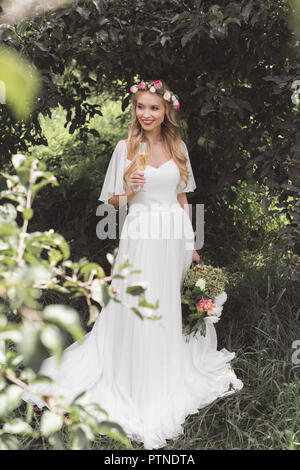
point(68, 157)
point(22, 82)
point(30, 263)
point(234, 64)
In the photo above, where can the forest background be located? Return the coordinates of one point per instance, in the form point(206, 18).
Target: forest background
point(67, 71)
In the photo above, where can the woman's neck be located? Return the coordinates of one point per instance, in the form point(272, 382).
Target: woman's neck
point(154, 137)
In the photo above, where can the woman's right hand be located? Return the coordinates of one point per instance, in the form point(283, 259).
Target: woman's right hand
point(136, 180)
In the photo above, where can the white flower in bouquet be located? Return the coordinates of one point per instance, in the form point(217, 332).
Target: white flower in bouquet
point(218, 310)
point(211, 319)
point(221, 298)
point(201, 283)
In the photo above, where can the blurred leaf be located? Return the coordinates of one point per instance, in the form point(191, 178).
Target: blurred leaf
point(115, 431)
point(65, 317)
point(17, 160)
point(17, 426)
point(50, 423)
point(52, 338)
point(10, 399)
point(22, 82)
point(8, 442)
point(100, 292)
point(135, 290)
point(31, 347)
point(79, 440)
point(27, 214)
point(7, 212)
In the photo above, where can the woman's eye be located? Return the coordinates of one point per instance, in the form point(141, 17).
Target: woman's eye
point(155, 107)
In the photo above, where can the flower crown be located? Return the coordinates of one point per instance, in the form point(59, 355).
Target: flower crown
point(157, 87)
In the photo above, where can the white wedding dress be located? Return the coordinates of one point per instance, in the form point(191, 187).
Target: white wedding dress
point(143, 372)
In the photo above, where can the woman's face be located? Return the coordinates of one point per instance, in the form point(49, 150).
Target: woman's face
point(150, 110)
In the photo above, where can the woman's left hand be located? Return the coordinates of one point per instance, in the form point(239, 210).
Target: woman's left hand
point(196, 257)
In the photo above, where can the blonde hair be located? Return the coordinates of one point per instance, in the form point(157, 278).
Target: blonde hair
point(170, 133)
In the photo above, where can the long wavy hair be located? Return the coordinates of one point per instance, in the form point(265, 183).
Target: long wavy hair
point(171, 135)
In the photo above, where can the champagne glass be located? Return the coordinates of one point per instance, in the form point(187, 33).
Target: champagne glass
point(142, 160)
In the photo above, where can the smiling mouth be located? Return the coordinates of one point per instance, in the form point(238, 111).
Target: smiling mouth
point(147, 122)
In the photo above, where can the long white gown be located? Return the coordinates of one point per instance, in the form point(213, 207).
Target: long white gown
point(144, 372)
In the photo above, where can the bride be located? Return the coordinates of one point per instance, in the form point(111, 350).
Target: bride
point(143, 372)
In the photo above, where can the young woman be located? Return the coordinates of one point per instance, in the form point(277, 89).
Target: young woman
point(143, 372)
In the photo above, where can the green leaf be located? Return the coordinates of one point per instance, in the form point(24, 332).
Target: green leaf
point(110, 258)
point(24, 175)
point(126, 264)
point(8, 212)
point(137, 289)
point(27, 214)
point(54, 256)
point(144, 303)
point(41, 378)
point(66, 317)
point(90, 269)
point(100, 292)
point(56, 441)
point(17, 426)
point(93, 314)
point(31, 347)
point(22, 82)
point(50, 423)
point(8, 442)
point(52, 338)
point(36, 187)
point(79, 440)
point(57, 33)
point(180, 16)
point(115, 431)
point(137, 312)
point(17, 160)
point(12, 333)
point(29, 412)
point(10, 399)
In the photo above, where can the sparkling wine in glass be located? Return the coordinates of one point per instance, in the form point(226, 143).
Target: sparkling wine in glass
point(142, 160)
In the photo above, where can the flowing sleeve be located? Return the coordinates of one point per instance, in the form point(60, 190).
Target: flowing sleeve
point(191, 185)
point(113, 182)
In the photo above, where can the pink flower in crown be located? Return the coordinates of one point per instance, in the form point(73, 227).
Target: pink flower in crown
point(142, 85)
point(157, 84)
point(167, 95)
point(133, 89)
point(176, 104)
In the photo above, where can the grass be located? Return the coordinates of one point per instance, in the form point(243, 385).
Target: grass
point(265, 414)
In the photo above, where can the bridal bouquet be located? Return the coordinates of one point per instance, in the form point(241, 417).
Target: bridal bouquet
point(203, 295)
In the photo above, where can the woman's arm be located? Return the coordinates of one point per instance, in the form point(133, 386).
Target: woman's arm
point(128, 195)
point(182, 199)
point(134, 181)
